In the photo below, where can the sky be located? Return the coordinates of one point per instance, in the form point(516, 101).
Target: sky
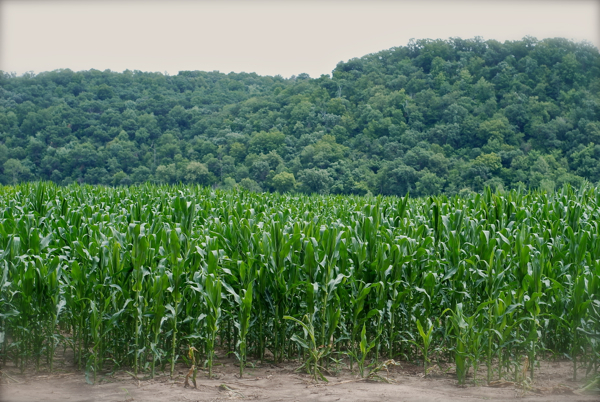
point(285, 37)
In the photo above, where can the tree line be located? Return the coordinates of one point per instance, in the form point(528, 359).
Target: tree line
point(435, 116)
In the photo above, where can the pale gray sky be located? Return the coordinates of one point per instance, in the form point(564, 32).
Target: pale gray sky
point(267, 37)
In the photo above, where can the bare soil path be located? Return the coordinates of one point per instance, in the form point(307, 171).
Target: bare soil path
point(281, 383)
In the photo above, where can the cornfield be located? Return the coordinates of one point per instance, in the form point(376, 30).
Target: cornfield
point(135, 277)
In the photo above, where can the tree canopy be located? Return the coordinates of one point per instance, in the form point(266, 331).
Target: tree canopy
point(430, 117)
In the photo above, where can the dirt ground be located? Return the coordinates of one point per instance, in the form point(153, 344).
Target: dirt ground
point(271, 382)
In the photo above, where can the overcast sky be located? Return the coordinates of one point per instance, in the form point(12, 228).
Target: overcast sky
point(267, 37)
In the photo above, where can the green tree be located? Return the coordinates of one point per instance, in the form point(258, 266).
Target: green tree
point(490, 161)
point(375, 125)
point(33, 123)
point(395, 178)
point(284, 182)
point(265, 142)
point(96, 175)
point(238, 151)
point(121, 179)
point(4, 153)
point(250, 185)
point(166, 174)
point(315, 181)
point(229, 183)
point(498, 128)
point(141, 174)
point(15, 171)
point(429, 184)
point(198, 173)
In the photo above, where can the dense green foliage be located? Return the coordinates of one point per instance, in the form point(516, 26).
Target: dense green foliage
point(433, 116)
point(133, 276)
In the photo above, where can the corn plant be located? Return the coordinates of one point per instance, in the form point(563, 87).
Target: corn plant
point(212, 296)
point(315, 353)
point(426, 339)
point(193, 369)
point(158, 290)
point(459, 327)
point(364, 347)
point(243, 300)
point(176, 274)
point(131, 277)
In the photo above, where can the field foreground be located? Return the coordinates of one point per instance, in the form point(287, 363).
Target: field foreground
point(282, 383)
point(491, 285)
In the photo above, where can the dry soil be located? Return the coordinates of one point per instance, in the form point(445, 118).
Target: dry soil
point(270, 382)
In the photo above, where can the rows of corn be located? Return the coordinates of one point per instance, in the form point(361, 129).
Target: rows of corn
point(144, 278)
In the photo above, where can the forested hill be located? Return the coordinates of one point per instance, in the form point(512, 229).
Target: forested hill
point(434, 116)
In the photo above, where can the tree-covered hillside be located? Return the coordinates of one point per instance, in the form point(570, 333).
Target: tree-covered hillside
point(433, 116)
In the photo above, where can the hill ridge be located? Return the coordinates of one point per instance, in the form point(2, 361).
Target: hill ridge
point(429, 117)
